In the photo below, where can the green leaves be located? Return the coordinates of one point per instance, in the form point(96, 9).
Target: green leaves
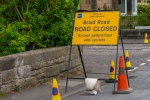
point(11, 41)
point(143, 14)
point(35, 24)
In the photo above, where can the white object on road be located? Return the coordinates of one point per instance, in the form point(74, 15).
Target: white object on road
point(93, 92)
point(92, 85)
point(142, 64)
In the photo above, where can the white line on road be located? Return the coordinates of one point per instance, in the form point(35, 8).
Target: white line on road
point(133, 69)
point(142, 64)
point(148, 60)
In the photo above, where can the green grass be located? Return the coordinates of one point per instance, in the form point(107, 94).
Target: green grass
point(3, 94)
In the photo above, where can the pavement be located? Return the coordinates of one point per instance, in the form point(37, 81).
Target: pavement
point(96, 60)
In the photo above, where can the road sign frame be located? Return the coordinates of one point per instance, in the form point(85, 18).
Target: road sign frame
point(119, 36)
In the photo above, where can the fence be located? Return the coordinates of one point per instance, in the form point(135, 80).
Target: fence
point(129, 21)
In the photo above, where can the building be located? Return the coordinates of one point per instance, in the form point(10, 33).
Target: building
point(125, 6)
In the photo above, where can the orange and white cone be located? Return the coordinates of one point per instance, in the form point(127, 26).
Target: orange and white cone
point(55, 90)
point(146, 38)
point(122, 87)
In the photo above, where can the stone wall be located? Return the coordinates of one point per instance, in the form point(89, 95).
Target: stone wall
point(31, 67)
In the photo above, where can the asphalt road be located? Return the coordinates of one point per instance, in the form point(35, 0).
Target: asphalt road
point(97, 58)
point(139, 83)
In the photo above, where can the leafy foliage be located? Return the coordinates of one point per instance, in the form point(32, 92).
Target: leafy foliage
point(143, 17)
point(34, 24)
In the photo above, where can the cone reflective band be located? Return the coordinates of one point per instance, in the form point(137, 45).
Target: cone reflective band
point(146, 38)
point(55, 90)
point(122, 71)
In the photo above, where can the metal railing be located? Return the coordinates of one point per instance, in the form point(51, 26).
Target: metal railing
point(129, 21)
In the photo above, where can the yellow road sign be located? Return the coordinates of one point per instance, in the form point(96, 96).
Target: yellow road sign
point(96, 28)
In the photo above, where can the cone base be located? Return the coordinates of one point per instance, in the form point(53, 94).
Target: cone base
point(111, 81)
point(146, 42)
point(128, 68)
point(130, 90)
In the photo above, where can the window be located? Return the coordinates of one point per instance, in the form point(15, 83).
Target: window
point(134, 8)
point(122, 6)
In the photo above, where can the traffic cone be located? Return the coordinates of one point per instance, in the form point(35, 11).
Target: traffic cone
point(122, 80)
point(146, 38)
point(127, 60)
point(55, 91)
point(112, 73)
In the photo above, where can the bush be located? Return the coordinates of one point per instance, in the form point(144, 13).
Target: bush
point(143, 17)
point(34, 24)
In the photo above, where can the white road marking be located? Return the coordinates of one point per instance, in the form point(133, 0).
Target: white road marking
point(133, 69)
point(142, 64)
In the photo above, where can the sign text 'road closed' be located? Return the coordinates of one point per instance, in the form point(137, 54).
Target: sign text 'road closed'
point(96, 28)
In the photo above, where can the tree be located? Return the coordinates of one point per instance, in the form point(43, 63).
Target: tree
point(35, 23)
